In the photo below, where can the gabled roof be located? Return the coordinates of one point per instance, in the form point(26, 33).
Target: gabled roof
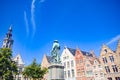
point(18, 59)
point(105, 49)
point(49, 58)
point(86, 53)
point(73, 51)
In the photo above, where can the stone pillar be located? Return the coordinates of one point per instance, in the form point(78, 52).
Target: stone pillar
point(56, 72)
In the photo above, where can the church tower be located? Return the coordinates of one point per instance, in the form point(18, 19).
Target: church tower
point(8, 41)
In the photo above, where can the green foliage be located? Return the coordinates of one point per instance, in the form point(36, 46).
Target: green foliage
point(7, 66)
point(34, 71)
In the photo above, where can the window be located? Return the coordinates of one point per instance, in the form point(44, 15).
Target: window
point(95, 62)
point(20, 69)
point(111, 58)
point(72, 64)
point(105, 50)
point(87, 65)
point(109, 78)
point(78, 72)
point(105, 60)
point(72, 73)
point(81, 60)
point(68, 73)
point(65, 74)
point(67, 57)
point(77, 61)
point(94, 67)
point(99, 66)
point(83, 72)
point(89, 73)
point(114, 68)
point(117, 78)
point(16, 62)
point(68, 64)
point(107, 69)
point(96, 75)
point(64, 64)
point(19, 78)
point(64, 58)
point(101, 74)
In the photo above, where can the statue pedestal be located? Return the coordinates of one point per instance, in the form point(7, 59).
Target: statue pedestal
point(56, 72)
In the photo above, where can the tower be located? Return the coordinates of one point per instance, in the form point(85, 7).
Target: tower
point(8, 41)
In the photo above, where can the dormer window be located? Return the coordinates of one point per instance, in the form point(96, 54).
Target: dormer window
point(95, 62)
point(105, 50)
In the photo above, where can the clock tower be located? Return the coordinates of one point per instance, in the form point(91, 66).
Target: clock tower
point(8, 41)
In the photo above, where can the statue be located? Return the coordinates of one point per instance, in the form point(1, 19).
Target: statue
point(56, 69)
point(55, 52)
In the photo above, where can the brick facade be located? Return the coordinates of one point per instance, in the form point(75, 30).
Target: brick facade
point(110, 61)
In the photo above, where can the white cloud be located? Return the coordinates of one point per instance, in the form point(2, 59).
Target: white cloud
point(32, 17)
point(26, 23)
point(116, 38)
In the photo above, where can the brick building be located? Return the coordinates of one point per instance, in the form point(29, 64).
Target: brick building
point(110, 61)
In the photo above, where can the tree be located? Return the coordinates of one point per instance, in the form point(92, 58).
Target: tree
point(7, 66)
point(34, 71)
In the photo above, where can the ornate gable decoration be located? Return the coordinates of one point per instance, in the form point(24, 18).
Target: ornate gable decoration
point(105, 50)
point(18, 60)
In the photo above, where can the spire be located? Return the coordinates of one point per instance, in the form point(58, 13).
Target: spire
point(118, 47)
point(10, 28)
point(8, 41)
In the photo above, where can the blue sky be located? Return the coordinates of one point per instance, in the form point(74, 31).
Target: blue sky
point(86, 24)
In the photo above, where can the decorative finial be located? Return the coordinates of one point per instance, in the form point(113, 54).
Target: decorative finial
point(10, 28)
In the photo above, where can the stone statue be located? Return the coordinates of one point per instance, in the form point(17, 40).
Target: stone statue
point(55, 52)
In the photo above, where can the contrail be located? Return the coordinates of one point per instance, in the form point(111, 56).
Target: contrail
point(26, 23)
point(32, 17)
point(116, 38)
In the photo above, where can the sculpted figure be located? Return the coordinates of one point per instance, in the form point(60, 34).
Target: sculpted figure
point(55, 52)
